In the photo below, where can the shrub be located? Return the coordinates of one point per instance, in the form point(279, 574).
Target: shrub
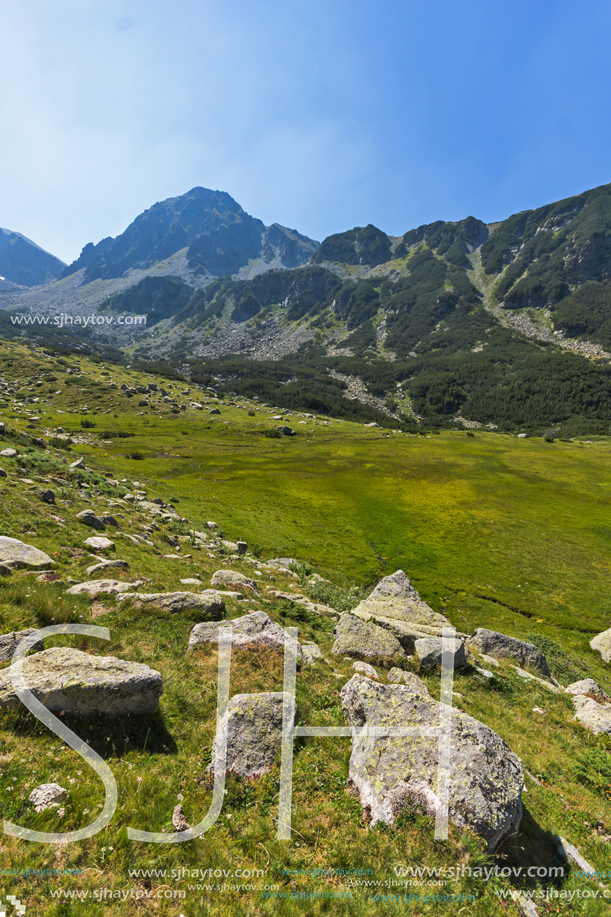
point(137, 456)
point(87, 424)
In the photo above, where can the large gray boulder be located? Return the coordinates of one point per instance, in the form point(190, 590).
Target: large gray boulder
point(429, 651)
point(585, 687)
point(88, 517)
point(390, 773)
point(75, 682)
point(601, 643)
point(15, 553)
point(252, 728)
point(395, 605)
point(252, 630)
point(355, 637)
point(501, 646)
point(209, 604)
point(233, 579)
point(8, 643)
point(593, 715)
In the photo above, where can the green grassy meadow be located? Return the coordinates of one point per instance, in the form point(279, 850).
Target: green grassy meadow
point(494, 531)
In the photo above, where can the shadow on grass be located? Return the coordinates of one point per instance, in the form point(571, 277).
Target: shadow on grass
point(535, 849)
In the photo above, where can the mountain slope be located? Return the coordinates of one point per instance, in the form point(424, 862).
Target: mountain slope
point(24, 262)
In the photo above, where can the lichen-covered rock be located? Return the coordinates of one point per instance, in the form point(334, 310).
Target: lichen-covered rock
point(363, 668)
point(429, 651)
point(389, 773)
point(99, 543)
point(252, 630)
point(311, 653)
point(593, 715)
point(602, 644)
point(503, 647)
point(355, 637)
point(73, 681)
point(47, 796)
point(234, 579)
point(399, 677)
point(587, 686)
point(100, 587)
point(8, 643)
point(252, 727)
point(209, 604)
point(395, 605)
point(17, 554)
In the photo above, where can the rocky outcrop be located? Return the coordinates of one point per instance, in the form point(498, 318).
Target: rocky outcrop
point(9, 642)
point(75, 682)
point(355, 637)
point(395, 605)
point(252, 728)
point(500, 646)
point(601, 643)
point(390, 773)
point(15, 553)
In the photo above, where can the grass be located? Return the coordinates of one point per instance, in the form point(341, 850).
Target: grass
point(494, 531)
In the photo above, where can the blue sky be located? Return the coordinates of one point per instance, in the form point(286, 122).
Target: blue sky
point(321, 115)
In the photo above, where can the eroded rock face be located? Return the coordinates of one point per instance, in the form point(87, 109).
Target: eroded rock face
point(252, 727)
point(486, 777)
point(503, 647)
point(208, 604)
point(8, 643)
point(355, 637)
point(252, 630)
point(73, 681)
point(601, 643)
point(233, 579)
point(395, 605)
point(17, 554)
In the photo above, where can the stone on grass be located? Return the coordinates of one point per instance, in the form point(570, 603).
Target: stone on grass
point(395, 605)
point(587, 686)
point(251, 630)
point(99, 543)
point(234, 579)
point(501, 646)
point(209, 604)
point(88, 517)
point(8, 453)
point(602, 644)
point(429, 651)
point(47, 796)
point(80, 463)
point(179, 822)
point(8, 643)
point(311, 653)
point(17, 554)
point(252, 728)
point(76, 682)
point(390, 773)
point(98, 587)
point(549, 685)
point(594, 716)
point(47, 496)
point(107, 565)
point(400, 677)
point(355, 637)
point(365, 669)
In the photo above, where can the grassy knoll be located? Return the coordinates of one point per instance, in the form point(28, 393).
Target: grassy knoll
point(497, 532)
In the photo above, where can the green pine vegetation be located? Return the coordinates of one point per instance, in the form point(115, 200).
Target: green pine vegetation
point(494, 531)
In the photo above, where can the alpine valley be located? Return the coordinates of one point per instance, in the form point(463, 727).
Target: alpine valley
point(454, 324)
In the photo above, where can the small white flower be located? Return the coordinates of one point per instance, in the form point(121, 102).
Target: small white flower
point(180, 797)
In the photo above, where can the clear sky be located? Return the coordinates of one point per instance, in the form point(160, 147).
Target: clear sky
point(318, 114)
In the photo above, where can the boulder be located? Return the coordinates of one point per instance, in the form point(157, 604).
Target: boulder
point(285, 431)
point(99, 543)
point(311, 652)
point(395, 605)
point(214, 411)
point(252, 728)
point(100, 587)
point(17, 554)
point(501, 646)
point(251, 630)
point(47, 796)
point(8, 643)
point(208, 603)
point(47, 496)
point(602, 644)
point(76, 682)
point(400, 677)
point(587, 687)
point(355, 637)
point(365, 669)
point(594, 716)
point(429, 651)
point(390, 773)
point(88, 517)
point(80, 463)
point(107, 565)
point(234, 579)
point(8, 453)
